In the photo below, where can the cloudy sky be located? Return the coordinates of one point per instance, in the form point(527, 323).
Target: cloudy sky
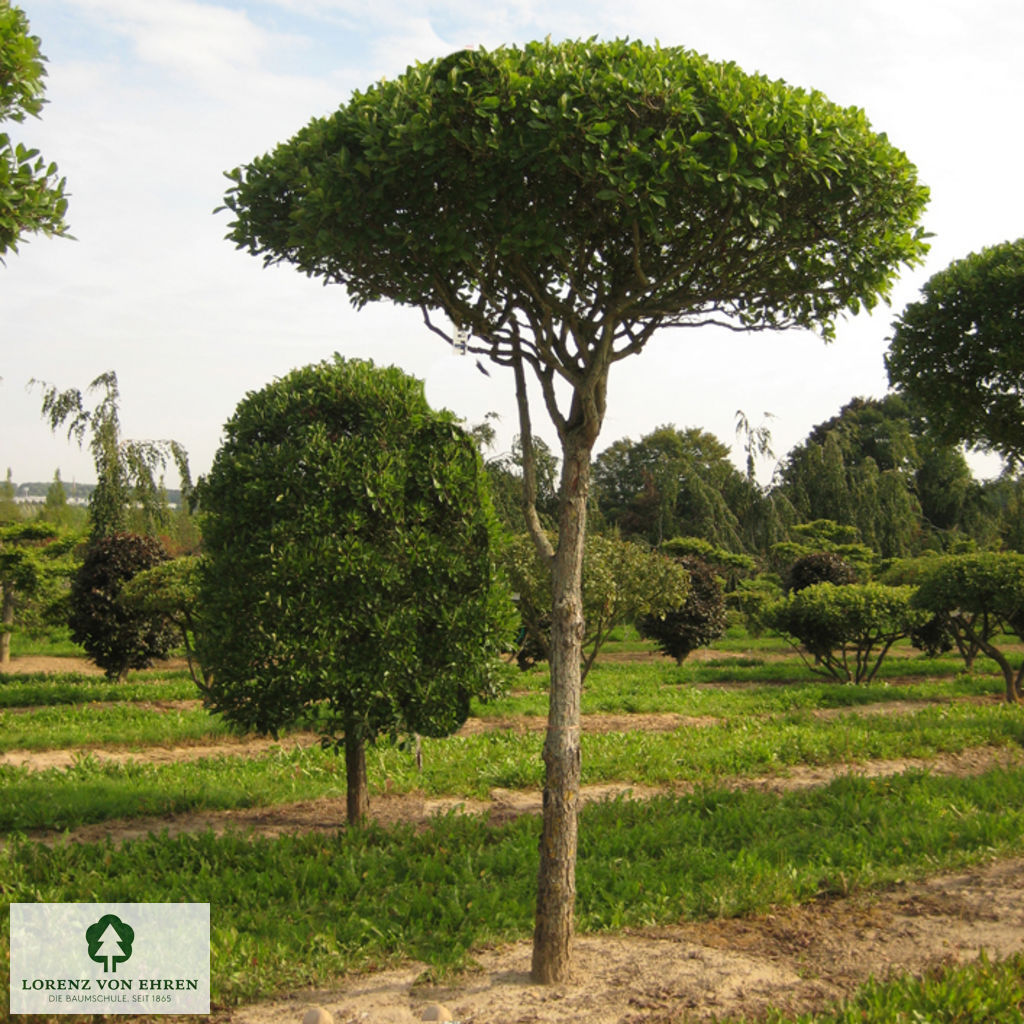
point(150, 101)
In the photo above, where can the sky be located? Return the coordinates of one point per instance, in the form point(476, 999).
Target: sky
point(151, 101)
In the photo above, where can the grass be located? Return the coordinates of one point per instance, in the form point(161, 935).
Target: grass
point(471, 766)
point(300, 909)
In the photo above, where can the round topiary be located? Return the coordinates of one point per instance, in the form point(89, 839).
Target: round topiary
point(700, 621)
point(116, 636)
point(819, 567)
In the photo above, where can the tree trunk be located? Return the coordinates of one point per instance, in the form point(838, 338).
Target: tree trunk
point(357, 794)
point(7, 601)
point(556, 882)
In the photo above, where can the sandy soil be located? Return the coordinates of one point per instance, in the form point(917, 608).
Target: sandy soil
point(796, 958)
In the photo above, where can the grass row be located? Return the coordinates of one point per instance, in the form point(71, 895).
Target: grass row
point(471, 766)
point(301, 909)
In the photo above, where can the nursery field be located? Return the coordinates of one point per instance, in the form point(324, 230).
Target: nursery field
point(756, 844)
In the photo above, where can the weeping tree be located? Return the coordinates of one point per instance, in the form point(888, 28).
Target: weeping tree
point(560, 203)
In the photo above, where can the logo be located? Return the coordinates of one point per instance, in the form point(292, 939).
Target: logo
point(110, 942)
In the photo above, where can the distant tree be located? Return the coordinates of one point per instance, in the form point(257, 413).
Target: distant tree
point(979, 595)
point(698, 622)
point(129, 490)
point(9, 511)
point(563, 202)
point(958, 353)
point(349, 572)
point(622, 582)
point(171, 589)
point(114, 635)
point(848, 629)
point(31, 195)
point(35, 560)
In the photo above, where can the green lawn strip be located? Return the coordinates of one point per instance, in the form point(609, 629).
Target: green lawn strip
point(653, 688)
point(471, 766)
point(981, 992)
point(301, 909)
point(122, 725)
point(40, 690)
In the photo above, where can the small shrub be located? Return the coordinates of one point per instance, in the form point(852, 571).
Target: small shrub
point(116, 636)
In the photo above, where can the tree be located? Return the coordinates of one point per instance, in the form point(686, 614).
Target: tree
point(979, 595)
point(129, 490)
point(31, 195)
point(699, 621)
point(116, 636)
point(622, 582)
point(349, 573)
point(958, 352)
point(848, 628)
point(171, 589)
point(561, 203)
point(35, 559)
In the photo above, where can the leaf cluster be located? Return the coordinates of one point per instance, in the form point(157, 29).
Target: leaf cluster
point(31, 194)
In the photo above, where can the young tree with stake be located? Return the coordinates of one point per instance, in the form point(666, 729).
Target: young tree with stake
point(562, 202)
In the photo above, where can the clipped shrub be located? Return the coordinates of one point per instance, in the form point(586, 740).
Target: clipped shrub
point(700, 621)
point(116, 635)
point(819, 567)
point(849, 628)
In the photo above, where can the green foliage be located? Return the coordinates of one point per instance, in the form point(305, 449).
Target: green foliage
point(439, 187)
point(622, 582)
point(31, 195)
point(957, 352)
point(698, 622)
point(819, 567)
point(171, 589)
point(978, 595)
point(36, 561)
point(114, 635)
point(850, 628)
point(350, 559)
point(824, 535)
point(129, 492)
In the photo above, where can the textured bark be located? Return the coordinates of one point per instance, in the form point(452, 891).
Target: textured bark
point(556, 881)
point(357, 795)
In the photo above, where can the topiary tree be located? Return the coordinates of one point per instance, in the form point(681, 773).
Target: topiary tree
point(171, 589)
point(622, 581)
point(116, 636)
point(819, 567)
point(561, 203)
point(349, 573)
point(979, 595)
point(849, 628)
point(696, 623)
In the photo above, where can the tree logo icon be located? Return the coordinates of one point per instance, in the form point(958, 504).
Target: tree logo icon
point(110, 942)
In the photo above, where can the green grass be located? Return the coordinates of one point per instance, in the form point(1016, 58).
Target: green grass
point(106, 725)
point(301, 909)
point(38, 689)
point(470, 766)
point(982, 992)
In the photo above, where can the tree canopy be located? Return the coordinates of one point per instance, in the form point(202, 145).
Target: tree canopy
point(958, 352)
point(31, 195)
